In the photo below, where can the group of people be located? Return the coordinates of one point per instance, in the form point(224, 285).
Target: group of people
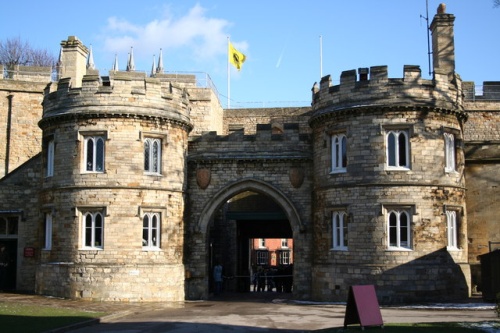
point(279, 279)
point(263, 278)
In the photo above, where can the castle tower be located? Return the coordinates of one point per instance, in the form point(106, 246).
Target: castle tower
point(389, 186)
point(112, 195)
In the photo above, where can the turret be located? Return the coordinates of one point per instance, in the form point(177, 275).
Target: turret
point(387, 154)
point(120, 160)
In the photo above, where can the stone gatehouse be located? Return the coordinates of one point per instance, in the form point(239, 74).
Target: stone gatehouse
point(129, 187)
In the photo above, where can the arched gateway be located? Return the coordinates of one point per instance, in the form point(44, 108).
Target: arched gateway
point(253, 185)
point(273, 183)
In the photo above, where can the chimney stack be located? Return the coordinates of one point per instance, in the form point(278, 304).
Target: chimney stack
point(443, 42)
point(74, 60)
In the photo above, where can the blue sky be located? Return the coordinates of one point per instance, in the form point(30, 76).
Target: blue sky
point(281, 39)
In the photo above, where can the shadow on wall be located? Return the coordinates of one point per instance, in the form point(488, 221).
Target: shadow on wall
point(431, 278)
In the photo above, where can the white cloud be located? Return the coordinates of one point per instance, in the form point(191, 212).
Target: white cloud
point(205, 37)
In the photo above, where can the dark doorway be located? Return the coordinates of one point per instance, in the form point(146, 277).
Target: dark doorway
point(244, 218)
point(9, 280)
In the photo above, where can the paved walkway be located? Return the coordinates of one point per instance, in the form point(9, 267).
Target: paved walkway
point(253, 312)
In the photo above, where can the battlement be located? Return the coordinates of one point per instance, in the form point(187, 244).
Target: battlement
point(372, 87)
point(122, 92)
point(488, 91)
point(264, 132)
point(26, 73)
point(264, 144)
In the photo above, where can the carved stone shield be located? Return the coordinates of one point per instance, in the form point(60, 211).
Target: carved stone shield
point(296, 176)
point(203, 176)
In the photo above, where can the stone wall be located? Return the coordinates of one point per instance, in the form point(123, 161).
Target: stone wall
point(482, 153)
point(121, 269)
point(246, 120)
point(368, 189)
point(108, 281)
point(125, 112)
point(21, 96)
point(236, 163)
point(206, 111)
point(18, 191)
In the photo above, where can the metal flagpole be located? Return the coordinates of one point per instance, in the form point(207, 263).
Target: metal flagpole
point(320, 57)
point(426, 18)
point(228, 76)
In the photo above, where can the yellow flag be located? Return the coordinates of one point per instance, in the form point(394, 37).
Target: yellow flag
point(236, 57)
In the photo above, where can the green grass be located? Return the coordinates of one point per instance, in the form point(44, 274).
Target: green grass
point(409, 328)
point(34, 319)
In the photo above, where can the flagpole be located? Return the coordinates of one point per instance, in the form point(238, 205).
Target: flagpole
point(320, 57)
point(228, 76)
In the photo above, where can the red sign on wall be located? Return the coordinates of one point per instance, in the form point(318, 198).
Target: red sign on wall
point(29, 251)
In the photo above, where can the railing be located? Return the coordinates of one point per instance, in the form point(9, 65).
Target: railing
point(36, 72)
point(203, 80)
point(490, 92)
point(265, 104)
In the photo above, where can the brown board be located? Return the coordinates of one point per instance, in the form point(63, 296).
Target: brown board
point(362, 307)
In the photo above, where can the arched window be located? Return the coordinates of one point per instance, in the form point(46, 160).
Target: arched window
point(398, 149)
point(47, 232)
point(339, 153)
point(94, 153)
point(398, 232)
point(151, 230)
point(93, 230)
point(339, 229)
point(451, 229)
point(50, 159)
point(152, 155)
point(449, 152)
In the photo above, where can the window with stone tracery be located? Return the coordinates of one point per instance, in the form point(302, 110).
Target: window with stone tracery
point(398, 151)
point(152, 155)
point(94, 153)
point(47, 232)
point(399, 229)
point(49, 172)
point(451, 230)
point(339, 231)
point(151, 230)
point(450, 152)
point(93, 229)
point(339, 153)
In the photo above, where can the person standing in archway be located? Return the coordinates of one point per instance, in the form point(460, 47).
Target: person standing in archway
point(218, 278)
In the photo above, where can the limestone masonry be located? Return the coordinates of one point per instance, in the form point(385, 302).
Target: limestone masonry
point(129, 187)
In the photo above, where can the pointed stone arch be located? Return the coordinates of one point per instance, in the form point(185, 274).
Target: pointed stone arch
point(250, 185)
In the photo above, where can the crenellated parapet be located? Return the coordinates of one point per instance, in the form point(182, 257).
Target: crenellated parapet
point(488, 91)
point(121, 94)
point(371, 87)
point(265, 144)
